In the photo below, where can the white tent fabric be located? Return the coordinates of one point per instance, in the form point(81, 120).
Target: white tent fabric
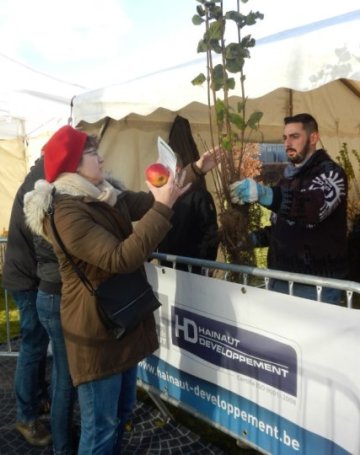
point(32, 106)
point(12, 171)
point(30, 101)
point(314, 68)
point(301, 59)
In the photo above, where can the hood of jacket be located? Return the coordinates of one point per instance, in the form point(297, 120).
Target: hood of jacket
point(38, 202)
point(36, 205)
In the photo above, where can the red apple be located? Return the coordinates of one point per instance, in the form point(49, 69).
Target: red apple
point(157, 174)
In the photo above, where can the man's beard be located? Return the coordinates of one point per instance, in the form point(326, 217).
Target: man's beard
point(302, 155)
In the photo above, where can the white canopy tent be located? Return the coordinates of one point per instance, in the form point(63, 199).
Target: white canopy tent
point(32, 107)
point(314, 68)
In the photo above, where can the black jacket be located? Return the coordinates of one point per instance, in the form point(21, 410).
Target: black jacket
point(309, 223)
point(195, 229)
point(47, 266)
point(28, 261)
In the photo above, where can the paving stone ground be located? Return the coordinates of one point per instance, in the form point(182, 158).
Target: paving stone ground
point(148, 437)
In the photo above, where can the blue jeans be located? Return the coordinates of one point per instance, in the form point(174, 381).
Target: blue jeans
point(62, 390)
point(105, 407)
point(30, 384)
point(328, 295)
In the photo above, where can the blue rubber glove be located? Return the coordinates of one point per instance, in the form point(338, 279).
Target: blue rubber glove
point(265, 194)
point(248, 190)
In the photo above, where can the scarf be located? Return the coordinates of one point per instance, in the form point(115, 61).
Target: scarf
point(76, 185)
point(292, 170)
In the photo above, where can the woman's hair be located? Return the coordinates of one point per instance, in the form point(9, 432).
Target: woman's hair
point(91, 142)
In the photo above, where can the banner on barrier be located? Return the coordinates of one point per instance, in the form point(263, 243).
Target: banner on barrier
point(278, 371)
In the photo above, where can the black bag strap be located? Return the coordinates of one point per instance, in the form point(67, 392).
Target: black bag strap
point(86, 282)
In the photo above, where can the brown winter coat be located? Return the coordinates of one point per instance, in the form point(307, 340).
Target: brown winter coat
point(102, 241)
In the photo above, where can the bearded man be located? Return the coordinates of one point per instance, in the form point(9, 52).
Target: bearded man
point(308, 232)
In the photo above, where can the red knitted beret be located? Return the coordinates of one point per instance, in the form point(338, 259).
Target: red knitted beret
point(63, 152)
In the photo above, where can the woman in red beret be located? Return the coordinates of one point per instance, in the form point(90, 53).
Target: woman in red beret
point(94, 220)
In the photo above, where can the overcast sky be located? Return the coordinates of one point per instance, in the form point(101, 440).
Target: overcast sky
point(96, 43)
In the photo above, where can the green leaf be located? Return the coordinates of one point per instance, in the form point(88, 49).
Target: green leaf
point(226, 143)
point(197, 20)
point(238, 18)
point(215, 31)
point(202, 46)
point(252, 17)
point(254, 119)
point(230, 83)
point(215, 12)
point(199, 79)
point(233, 51)
point(215, 46)
point(200, 10)
point(220, 110)
point(234, 66)
point(217, 77)
point(217, 84)
point(247, 41)
point(235, 56)
point(218, 71)
point(219, 105)
point(237, 120)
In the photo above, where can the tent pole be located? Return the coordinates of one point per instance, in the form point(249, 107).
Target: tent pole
point(291, 103)
point(351, 87)
point(103, 128)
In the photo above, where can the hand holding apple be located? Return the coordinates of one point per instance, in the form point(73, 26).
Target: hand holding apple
point(157, 174)
point(169, 192)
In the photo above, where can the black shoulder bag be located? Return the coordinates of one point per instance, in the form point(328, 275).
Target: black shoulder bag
point(123, 300)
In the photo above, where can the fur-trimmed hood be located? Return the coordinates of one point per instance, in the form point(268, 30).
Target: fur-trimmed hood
point(38, 201)
point(36, 205)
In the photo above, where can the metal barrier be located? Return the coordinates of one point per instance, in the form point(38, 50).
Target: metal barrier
point(349, 287)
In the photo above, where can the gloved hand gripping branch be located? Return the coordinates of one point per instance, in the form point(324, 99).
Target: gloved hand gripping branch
point(247, 190)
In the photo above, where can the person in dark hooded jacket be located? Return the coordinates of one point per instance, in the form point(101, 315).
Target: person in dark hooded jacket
point(21, 280)
point(195, 229)
point(31, 262)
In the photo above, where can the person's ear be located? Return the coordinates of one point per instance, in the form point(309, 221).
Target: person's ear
point(314, 138)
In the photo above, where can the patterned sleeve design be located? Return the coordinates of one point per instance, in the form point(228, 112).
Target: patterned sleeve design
point(311, 197)
point(333, 187)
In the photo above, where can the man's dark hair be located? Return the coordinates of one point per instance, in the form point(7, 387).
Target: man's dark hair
point(308, 121)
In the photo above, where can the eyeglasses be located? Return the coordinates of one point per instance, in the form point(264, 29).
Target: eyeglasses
point(93, 152)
